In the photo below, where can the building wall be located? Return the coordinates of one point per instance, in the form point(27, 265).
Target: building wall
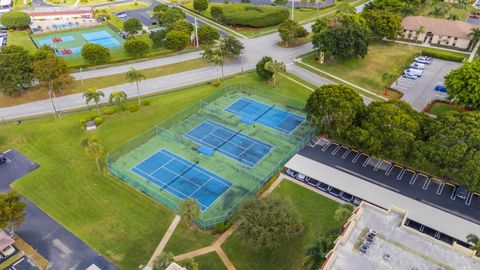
point(438, 40)
point(61, 17)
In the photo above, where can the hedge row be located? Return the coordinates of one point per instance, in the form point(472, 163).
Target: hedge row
point(249, 15)
point(444, 55)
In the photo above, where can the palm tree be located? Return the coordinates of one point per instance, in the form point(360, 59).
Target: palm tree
point(189, 210)
point(315, 254)
point(388, 78)
point(453, 17)
point(93, 94)
point(118, 97)
point(475, 241)
point(475, 35)
point(95, 150)
point(275, 67)
point(218, 61)
point(135, 76)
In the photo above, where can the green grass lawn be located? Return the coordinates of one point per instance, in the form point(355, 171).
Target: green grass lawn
point(186, 239)
point(122, 224)
point(439, 108)
point(317, 215)
point(20, 38)
point(210, 261)
point(367, 72)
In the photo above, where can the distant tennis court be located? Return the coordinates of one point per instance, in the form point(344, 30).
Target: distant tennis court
point(231, 143)
point(182, 178)
point(251, 111)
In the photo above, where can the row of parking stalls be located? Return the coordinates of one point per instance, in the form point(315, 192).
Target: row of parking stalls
point(389, 167)
point(434, 233)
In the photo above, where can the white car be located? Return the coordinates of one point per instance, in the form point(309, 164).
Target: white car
point(301, 177)
point(424, 60)
point(416, 72)
point(409, 75)
point(291, 172)
point(416, 65)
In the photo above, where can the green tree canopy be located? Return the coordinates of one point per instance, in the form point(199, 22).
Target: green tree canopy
point(463, 85)
point(15, 69)
point(344, 35)
point(12, 210)
point(275, 68)
point(231, 46)
point(132, 26)
point(200, 5)
point(395, 6)
point(262, 73)
point(135, 76)
point(135, 46)
point(95, 53)
point(94, 150)
point(343, 213)
point(264, 222)
point(118, 97)
point(291, 30)
point(182, 26)
point(93, 94)
point(160, 7)
point(333, 108)
point(316, 253)
point(383, 24)
point(163, 261)
point(176, 40)
point(15, 20)
point(207, 34)
point(171, 15)
point(158, 38)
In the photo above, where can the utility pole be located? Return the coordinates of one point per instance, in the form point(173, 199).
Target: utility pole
point(81, 75)
point(293, 7)
point(196, 32)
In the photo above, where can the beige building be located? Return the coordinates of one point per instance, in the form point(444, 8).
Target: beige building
point(440, 32)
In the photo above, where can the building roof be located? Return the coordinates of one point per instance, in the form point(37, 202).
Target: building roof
point(417, 211)
point(441, 27)
point(174, 266)
point(55, 11)
point(5, 240)
point(5, 3)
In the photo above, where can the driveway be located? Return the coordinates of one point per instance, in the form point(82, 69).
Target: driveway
point(420, 92)
point(53, 241)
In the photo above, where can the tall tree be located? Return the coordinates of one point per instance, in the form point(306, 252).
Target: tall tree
point(475, 241)
point(217, 59)
point(315, 253)
point(343, 213)
point(50, 71)
point(163, 261)
point(95, 151)
point(12, 210)
point(262, 73)
point(189, 210)
point(387, 79)
point(132, 26)
point(463, 85)
point(118, 97)
point(200, 5)
point(475, 36)
point(275, 68)
point(15, 20)
point(265, 222)
point(231, 46)
point(383, 24)
point(207, 34)
point(333, 108)
point(15, 69)
point(93, 94)
point(135, 76)
point(95, 53)
point(291, 30)
point(344, 35)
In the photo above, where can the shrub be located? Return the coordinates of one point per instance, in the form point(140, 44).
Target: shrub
point(207, 34)
point(83, 122)
point(171, 15)
point(217, 84)
point(98, 121)
point(110, 110)
point(182, 26)
point(200, 5)
point(253, 15)
point(444, 55)
point(262, 73)
point(176, 40)
point(158, 38)
point(15, 20)
point(160, 7)
point(95, 53)
point(146, 102)
point(222, 227)
point(135, 47)
point(131, 107)
point(216, 11)
point(132, 26)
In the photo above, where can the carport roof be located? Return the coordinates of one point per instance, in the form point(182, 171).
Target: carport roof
point(5, 240)
point(425, 214)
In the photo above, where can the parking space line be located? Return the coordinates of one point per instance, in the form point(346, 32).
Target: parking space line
point(365, 163)
point(476, 193)
point(336, 150)
point(344, 156)
point(452, 197)
point(391, 169)
point(426, 184)
point(468, 201)
point(400, 175)
point(388, 167)
point(412, 180)
point(326, 146)
point(354, 160)
point(440, 188)
point(378, 165)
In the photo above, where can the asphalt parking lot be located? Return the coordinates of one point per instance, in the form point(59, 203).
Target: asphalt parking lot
point(17, 166)
point(416, 185)
point(23, 263)
point(420, 92)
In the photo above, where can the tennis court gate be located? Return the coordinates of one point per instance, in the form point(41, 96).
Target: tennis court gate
point(162, 130)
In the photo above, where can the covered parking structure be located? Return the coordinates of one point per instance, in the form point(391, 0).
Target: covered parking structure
point(425, 214)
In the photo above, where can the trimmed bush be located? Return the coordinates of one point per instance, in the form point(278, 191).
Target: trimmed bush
point(95, 53)
point(216, 11)
point(110, 110)
point(160, 7)
point(98, 121)
point(444, 55)
point(176, 40)
point(146, 102)
point(131, 107)
point(253, 15)
point(135, 47)
point(83, 122)
point(207, 34)
point(200, 5)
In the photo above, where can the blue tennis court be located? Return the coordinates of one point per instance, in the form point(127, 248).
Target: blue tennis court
point(228, 142)
point(251, 111)
point(101, 38)
point(182, 178)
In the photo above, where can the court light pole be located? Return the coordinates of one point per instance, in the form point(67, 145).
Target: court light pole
point(293, 6)
point(81, 76)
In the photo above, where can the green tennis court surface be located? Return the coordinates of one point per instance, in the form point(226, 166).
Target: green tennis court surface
point(174, 136)
point(71, 42)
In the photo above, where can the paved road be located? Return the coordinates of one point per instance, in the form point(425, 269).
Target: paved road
point(53, 241)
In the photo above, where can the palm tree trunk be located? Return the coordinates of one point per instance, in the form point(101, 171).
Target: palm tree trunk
point(222, 72)
point(53, 104)
point(98, 165)
point(138, 95)
point(98, 108)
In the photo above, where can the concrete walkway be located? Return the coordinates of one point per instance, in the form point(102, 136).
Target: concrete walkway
point(164, 241)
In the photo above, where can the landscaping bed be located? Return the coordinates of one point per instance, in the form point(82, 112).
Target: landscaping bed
point(439, 107)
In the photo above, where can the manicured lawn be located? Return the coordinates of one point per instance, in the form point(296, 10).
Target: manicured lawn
point(122, 224)
point(20, 38)
point(210, 261)
point(367, 72)
point(101, 82)
point(317, 216)
point(439, 108)
point(186, 239)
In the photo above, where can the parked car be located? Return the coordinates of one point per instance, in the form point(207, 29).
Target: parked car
point(424, 60)
point(335, 192)
point(417, 66)
point(323, 186)
point(346, 197)
point(462, 192)
point(416, 72)
point(441, 88)
point(409, 75)
point(3, 158)
point(301, 177)
point(474, 16)
point(121, 15)
point(363, 249)
point(291, 172)
point(312, 182)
